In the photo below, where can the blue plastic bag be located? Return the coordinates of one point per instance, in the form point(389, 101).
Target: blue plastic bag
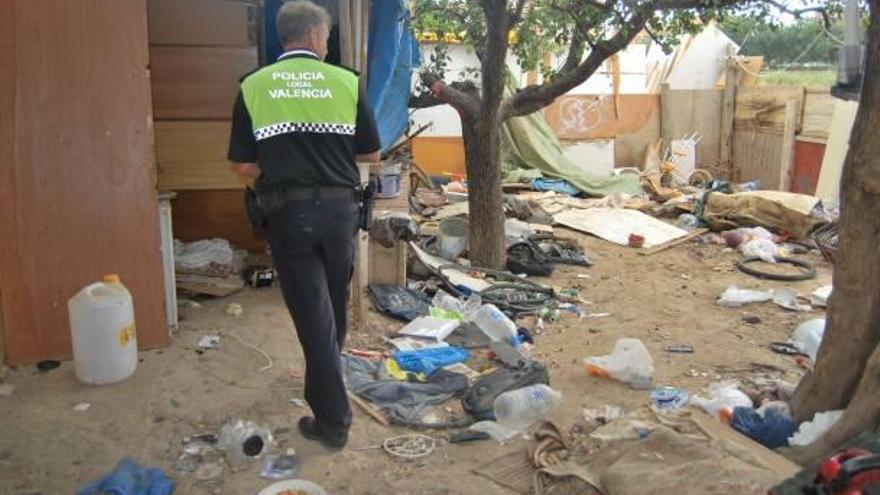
point(428, 361)
point(129, 478)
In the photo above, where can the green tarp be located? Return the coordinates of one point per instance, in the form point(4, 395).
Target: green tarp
point(530, 149)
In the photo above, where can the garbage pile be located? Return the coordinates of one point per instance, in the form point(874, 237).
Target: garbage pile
point(214, 267)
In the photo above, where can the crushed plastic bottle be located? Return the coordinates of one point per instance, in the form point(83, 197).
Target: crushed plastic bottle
point(447, 302)
point(243, 441)
point(629, 362)
point(492, 322)
point(516, 410)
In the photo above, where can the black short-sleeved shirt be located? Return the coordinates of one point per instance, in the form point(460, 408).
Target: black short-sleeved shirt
point(304, 159)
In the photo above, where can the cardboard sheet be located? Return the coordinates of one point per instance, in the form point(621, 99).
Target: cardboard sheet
point(456, 277)
point(616, 224)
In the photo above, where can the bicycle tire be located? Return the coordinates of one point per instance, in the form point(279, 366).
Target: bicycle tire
point(744, 267)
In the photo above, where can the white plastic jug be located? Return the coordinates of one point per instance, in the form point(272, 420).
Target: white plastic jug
point(103, 332)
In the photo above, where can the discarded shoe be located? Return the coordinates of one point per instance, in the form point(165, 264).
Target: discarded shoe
point(310, 429)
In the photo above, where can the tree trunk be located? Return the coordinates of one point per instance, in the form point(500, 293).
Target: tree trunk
point(862, 414)
point(853, 329)
point(482, 151)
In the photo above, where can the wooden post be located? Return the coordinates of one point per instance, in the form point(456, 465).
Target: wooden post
point(728, 108)
point(361, 276)
point(788, 132)
point(346, 34)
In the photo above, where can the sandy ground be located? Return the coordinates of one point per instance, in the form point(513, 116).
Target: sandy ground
point(47, 447)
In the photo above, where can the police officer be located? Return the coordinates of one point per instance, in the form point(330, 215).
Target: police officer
point(299, 126)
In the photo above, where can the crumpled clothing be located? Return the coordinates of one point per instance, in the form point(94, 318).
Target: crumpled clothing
point(129, 478)
point(391, 227)
point(406, 401)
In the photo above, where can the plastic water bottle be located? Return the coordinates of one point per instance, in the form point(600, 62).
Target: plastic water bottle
point(518, 409)
point(492, 322)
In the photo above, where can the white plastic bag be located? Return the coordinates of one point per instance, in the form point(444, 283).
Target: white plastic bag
point(810, 431)
point(808, 336)
point(516, 231)
point(735, 297)
point(629, 362)
point(724, 397)
point(819, 297)
point(762, 248)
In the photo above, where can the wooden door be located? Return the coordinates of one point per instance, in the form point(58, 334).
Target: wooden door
point(77, 172)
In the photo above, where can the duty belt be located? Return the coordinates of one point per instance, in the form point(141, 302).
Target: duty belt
point(316, 193)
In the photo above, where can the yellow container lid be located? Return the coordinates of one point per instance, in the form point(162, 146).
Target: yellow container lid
point(111, 278)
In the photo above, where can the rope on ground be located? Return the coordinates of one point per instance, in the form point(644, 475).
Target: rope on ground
point(264, 353)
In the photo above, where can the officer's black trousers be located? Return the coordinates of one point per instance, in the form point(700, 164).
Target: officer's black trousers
point(313, 246)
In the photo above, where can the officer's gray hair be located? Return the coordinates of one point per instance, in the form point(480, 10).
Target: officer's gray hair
point(297, 18)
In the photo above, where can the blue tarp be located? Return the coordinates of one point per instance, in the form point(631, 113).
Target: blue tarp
point(393, 53)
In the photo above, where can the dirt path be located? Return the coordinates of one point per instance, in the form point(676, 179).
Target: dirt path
point(46, 447)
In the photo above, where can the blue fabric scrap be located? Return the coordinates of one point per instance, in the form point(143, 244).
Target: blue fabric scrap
point(561, 186)
point(129, 478)
point(772, 430)
point(428, 361)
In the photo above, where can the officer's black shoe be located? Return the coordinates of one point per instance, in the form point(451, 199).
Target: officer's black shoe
point(310, 429)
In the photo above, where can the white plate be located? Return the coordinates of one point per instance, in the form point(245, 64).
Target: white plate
point(302, 485)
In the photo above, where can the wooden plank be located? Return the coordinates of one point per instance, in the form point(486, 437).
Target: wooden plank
point(763, 107)
point(787, 152)
point(370, 409)
point(192, 155)
point(681, 240)
point(757, 156)
point(201, 22)
point(594, 116)
point(684, 112)
point(9, 251)
point(439, 155)
point(214, 213)
point(77, 192)
point(807, 164)
point(361, 277)
point(818, 107)
point(346, 40)
point(725, 152)
point(198, 82)
point(842, 120)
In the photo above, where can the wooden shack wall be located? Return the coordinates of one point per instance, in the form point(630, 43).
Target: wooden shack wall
point(199, 49)
point(77, 174)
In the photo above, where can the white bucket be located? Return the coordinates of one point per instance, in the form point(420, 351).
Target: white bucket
point(388, 181)
point(453, 237)
point(103, 332)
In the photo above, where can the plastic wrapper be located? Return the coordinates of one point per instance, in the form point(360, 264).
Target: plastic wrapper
point(807, 337)
point(243, 441)
point(724, 398)
point(734, 297)
point(629, 362)
point(810, 431)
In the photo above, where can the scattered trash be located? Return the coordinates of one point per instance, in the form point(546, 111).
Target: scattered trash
point(679, 348)
point(453, 238)
point(410, 344)
point(129, 478)
point(209, 342)
point(527, 258)
point(479, 400)
point(234, 309)
point(787, 298)
point(597, 315)
point(298, 403)
point(516, 409)
point(409, 446)
point(387, 228)
point(764, 249)
point(670, 398)
point(509, 355)
point(281, 467)
point(428, 361)
point(399, 302)
point(808, 336)
point(82, 407)
point(771, 427)
point(188, 303)
point(810, 431)
point(734, 297)
point(602, 415)
point(293, 487)
point(636, 241)
point(429, 327)
point(786, 348)
point(819, 297)
point(6, 390)
point(492, 322)
point(807, 272)
point(629, 362)
point(724, 398)
point(751, 319)
point(48, 365)
point(208, 471)
point(243, 441)
point(687, 222)
point(517, 231)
